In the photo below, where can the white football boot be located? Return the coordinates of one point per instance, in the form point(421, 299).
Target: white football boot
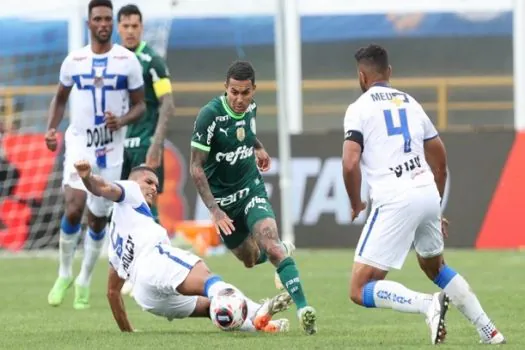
point(435, 317)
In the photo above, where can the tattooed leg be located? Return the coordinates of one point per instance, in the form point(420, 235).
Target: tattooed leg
point(248, 252)
point(267, 237)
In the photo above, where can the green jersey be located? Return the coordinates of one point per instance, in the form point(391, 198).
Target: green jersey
point(229, 138)
point(156, 84)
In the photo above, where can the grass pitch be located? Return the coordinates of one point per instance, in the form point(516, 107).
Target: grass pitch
point(27, 322)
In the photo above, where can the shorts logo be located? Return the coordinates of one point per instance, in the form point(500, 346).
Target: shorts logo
point(232, 198)
point(256, 201)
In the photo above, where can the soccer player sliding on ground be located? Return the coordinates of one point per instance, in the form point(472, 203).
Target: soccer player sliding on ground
point(168, 282)
point(390, 136)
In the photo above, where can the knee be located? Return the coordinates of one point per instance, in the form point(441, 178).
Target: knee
point(250, 261)
point(275, 252)
point(97, 224)
point(73, 214)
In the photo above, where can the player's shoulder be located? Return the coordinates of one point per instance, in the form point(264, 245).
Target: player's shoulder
point(130, 191)
point(252, 107)
point(150, 51)
point(213, 108)
point(79, 55)
point(119, 52)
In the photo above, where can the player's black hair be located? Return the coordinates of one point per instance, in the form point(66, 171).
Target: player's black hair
point(373, 55)
point(241, 70)
point(142, 167)
point(129, 10)
point(99, 3)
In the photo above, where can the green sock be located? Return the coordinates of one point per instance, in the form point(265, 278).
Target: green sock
point(263, 257)
point(155, 213)
point(289, 276)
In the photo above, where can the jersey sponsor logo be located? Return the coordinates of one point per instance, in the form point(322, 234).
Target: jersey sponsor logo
point(232, 198)
point(210, 131)
point(99, 136)
point(397, 98)
point(132, 142)
point(408, 166)
point(256, 201)
point(222, 118)
point(231, 158)
point(129, 253)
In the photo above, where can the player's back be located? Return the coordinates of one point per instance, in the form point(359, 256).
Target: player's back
point(134, 233)
point(100, 83)
point(394, 128)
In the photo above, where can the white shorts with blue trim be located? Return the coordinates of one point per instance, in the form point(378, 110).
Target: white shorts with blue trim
point(157, 279)
point(414, 217)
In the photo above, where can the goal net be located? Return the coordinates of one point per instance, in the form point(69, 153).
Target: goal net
point(31, 200)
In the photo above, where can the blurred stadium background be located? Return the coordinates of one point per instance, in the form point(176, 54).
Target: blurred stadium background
point(456, 57)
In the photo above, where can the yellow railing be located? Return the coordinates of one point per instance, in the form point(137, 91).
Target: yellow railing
point(441, 85)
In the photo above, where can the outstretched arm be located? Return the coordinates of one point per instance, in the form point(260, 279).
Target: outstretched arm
point(96, 184)
point(116, 303)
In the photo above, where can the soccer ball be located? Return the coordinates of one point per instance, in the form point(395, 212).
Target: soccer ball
point(228, 310)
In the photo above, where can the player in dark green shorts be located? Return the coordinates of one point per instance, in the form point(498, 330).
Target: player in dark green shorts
point(145, 138)
point(226, 157)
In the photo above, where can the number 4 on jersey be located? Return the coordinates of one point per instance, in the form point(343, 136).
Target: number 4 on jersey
point(402, 129)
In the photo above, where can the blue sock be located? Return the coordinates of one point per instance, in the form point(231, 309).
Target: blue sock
point(446, 274)
point(67, 227)
point(367, 296)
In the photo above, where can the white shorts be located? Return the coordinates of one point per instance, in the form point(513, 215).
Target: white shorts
point(99, 206)
point(157, 279)
point(414, 217)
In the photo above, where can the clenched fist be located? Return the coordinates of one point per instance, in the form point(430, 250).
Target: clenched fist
point(112, 122)
point(51, 139)
point(83, 168)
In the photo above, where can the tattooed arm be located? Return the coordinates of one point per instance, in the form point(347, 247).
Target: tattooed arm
point(197, 161)
point(221, 220)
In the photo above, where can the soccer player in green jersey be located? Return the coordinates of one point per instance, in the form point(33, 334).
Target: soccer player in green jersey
point(144, 138)
point(226, 157)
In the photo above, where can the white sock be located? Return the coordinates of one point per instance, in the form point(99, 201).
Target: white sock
point(69, 236)
point(395, 296)
point(248, 326)
point(464, 299)
point(92, 244)
point(214, 285)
